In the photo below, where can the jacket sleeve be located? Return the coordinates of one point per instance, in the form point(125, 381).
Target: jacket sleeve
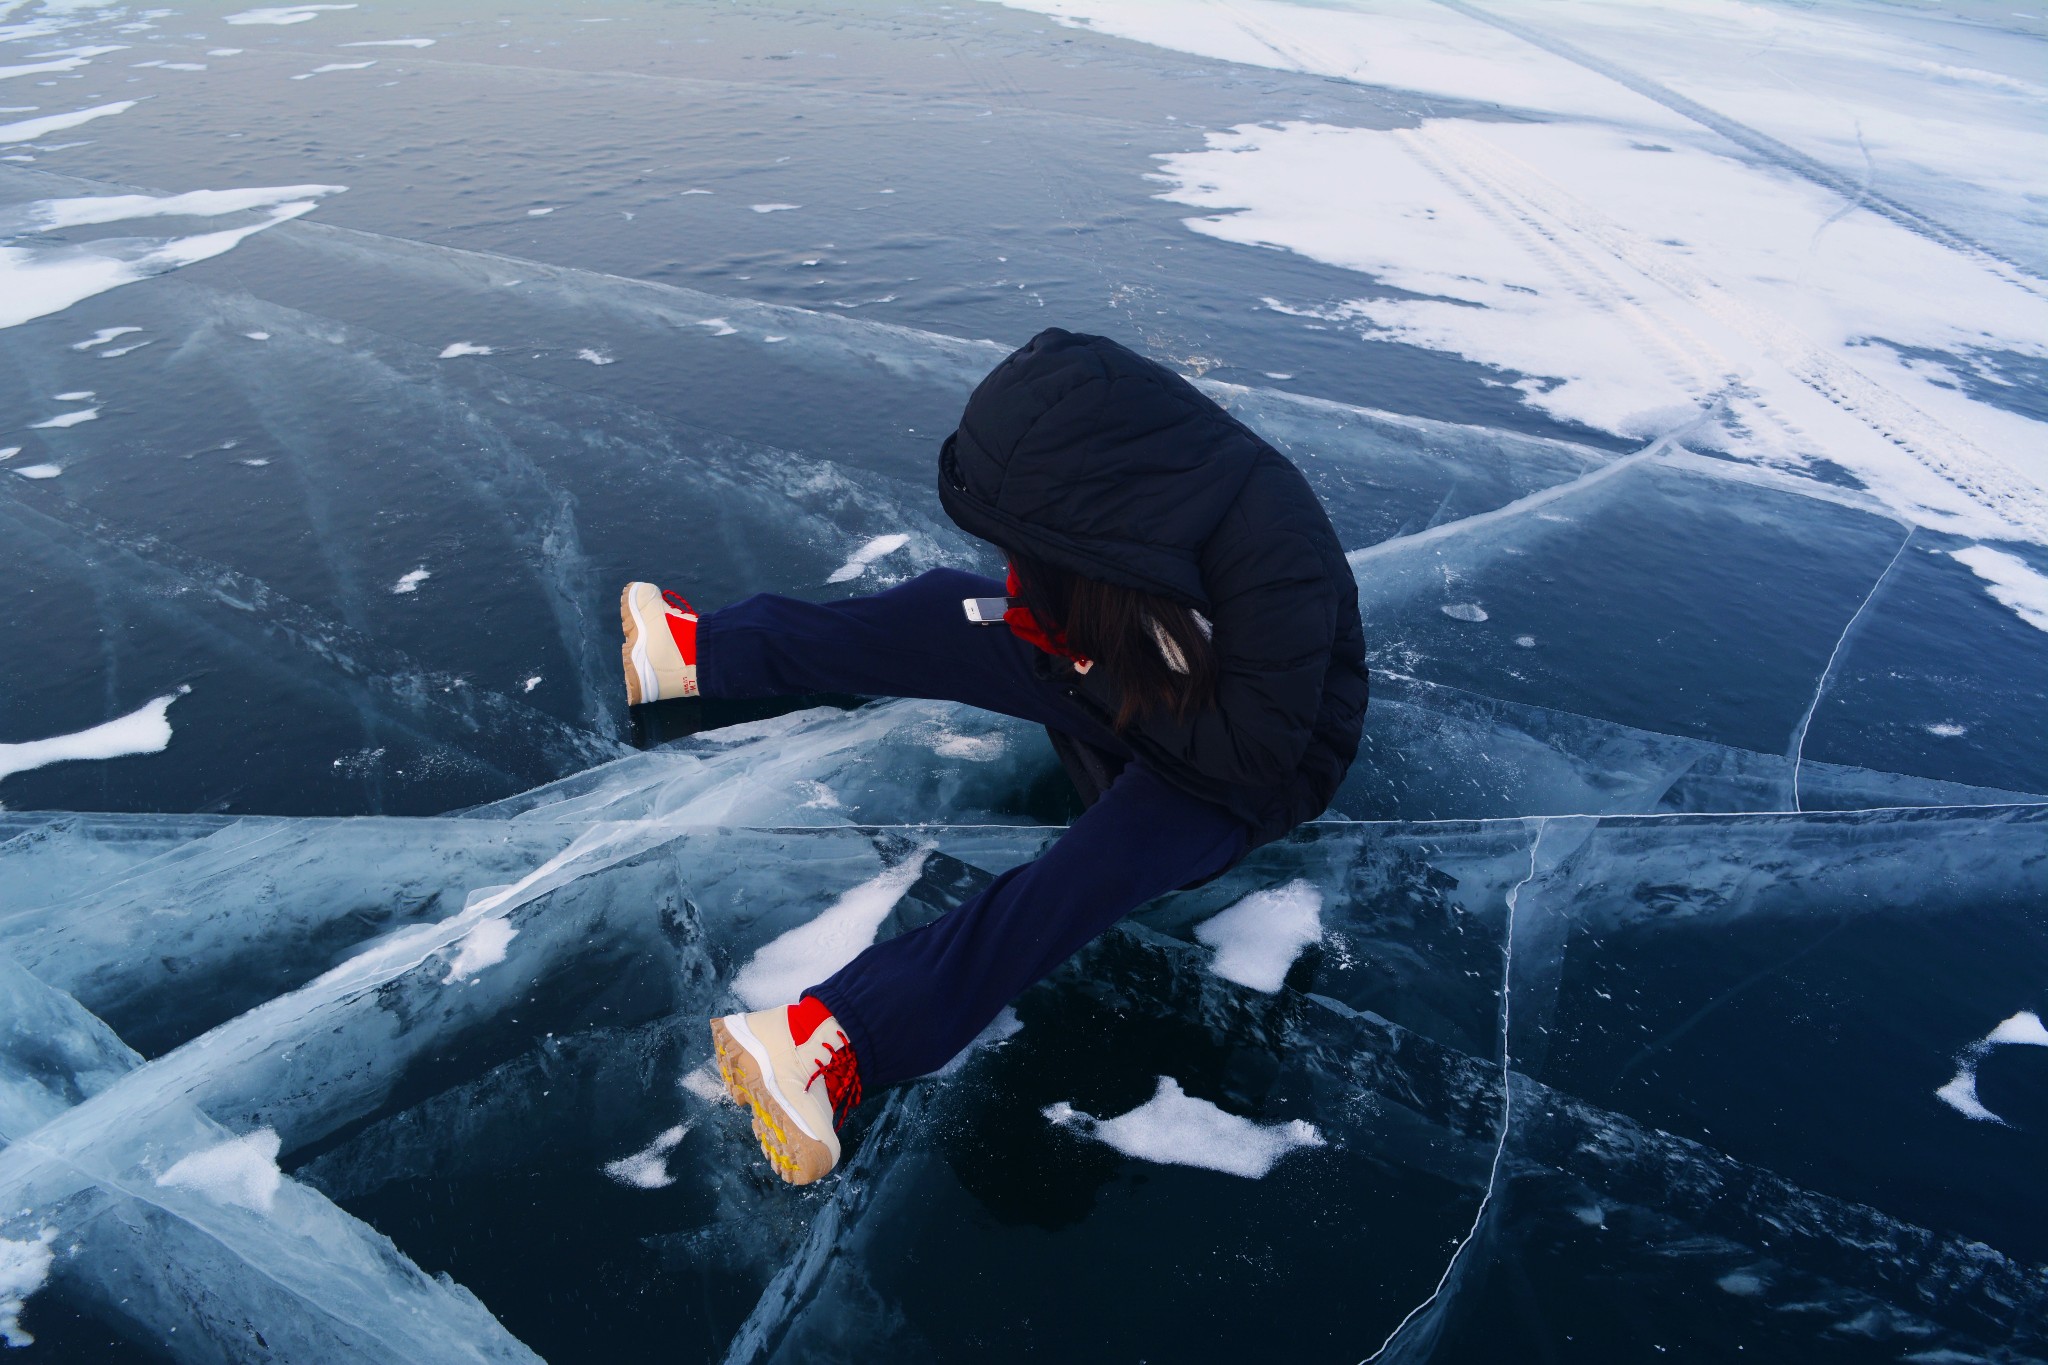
point(1274, 630)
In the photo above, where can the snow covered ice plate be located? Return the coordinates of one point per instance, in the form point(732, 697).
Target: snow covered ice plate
point(1666, 981)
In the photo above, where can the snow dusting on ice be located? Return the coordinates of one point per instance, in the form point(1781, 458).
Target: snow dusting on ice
point(241, 1171)
point(2023, 1029)
point(809, 953)
point(66, 419)
point(24, 1265)
point(2011, 580)
point(39, 279)
point(857, 563)
point(282, 14)
point(1627, 251)
point(1257, 939)
point(334, 66)
point(1174, 1129)
point(484, 946)
point(647, 1169)
point(102, 337)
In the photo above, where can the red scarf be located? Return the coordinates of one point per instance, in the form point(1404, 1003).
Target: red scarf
point(1025, 626)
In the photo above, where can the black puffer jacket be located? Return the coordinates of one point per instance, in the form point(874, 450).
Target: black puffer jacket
point(1091, 457)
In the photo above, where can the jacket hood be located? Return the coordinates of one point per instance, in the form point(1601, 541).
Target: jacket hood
point(1089, 456)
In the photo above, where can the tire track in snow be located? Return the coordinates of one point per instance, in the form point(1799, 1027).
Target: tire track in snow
point(1562, 216)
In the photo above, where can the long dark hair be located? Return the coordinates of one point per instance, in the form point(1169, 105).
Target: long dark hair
point(1156, 650)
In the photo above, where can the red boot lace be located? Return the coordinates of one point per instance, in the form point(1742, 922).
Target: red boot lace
point(842, 1080)
point(677, 600)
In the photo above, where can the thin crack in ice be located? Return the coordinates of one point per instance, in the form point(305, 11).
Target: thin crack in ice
point(1820, 688)
point(1507, 1101)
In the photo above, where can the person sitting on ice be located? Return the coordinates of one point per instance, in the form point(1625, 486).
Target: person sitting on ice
point(1180, 618)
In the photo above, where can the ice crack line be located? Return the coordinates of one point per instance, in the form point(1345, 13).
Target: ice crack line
point(1507, 1101)
point(1799, 735)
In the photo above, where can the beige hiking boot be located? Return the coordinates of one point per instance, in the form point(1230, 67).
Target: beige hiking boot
point(794, 1067)
point(660, 653)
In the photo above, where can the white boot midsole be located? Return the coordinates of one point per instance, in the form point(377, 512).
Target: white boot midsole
point(650, 689)
point(736, 1024)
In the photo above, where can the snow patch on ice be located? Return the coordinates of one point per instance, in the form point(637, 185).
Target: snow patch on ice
point(145, 730)
point(10, 452)
point(2024, 1029)
point(102, 337)
point(28, 130)
point(393, 42)
point(1464, 611)
point(410, 582)
point(2011, 580)
point(1257, 939)
point(595, 357)
point(647, 1169)
point(809, 953)
point(719, 326)
point(1631, 267)
point(67, 419)
point(455, 349)
point(857, 563)
point(24, 1266)
point(1946, 729)
point(241, 1171)
point(530, 683)
point(1175, 1129)
point(334, 66)
point(75, 396)
point(282, 14)
point(40, 471)
point(774, 208)
point(484, 946)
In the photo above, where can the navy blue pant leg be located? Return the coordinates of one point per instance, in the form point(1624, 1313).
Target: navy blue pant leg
point(911, 641)
point(910, 1003)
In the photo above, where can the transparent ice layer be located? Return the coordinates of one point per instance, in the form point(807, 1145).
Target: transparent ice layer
point(461, 1076)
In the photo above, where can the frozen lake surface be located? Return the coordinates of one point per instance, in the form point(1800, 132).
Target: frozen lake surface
point(1667, 980)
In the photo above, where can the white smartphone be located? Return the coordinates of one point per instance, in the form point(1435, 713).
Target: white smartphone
point(985, 611)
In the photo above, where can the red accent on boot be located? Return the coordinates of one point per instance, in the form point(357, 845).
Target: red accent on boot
point(804, 1017)
point(683, 630)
